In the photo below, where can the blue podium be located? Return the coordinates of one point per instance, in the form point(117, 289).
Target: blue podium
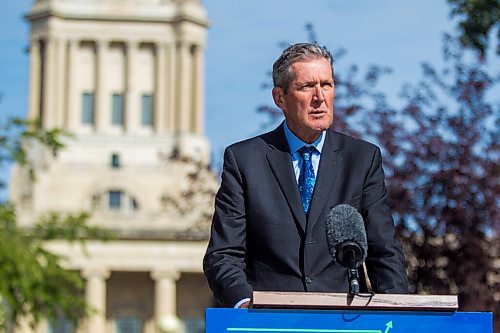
point(299, 312)
point(340, 321)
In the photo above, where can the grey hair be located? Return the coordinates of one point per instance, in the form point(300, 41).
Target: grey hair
point(282, 74)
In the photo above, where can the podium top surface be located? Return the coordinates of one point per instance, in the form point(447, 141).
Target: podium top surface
point(343, 301)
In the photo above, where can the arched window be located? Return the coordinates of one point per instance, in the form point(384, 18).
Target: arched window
point(115, 200)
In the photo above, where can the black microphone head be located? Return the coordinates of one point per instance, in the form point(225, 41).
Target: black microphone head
point(345, 224)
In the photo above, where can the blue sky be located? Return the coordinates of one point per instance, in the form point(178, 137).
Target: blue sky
point(243, 43)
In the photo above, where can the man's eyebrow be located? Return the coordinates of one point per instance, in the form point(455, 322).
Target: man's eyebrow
point(300, 83)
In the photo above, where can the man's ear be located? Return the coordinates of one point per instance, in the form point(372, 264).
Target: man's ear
point(278, 97)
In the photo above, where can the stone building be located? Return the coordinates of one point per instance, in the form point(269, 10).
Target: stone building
point(125, 77)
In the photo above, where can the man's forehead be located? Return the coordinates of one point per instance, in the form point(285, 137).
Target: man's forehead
point(319, 68)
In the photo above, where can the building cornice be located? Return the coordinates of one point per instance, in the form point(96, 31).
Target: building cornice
point(122, 18)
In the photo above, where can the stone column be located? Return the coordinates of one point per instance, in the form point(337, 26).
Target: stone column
point(183, 93)
point(95, 295)
point(60, 90)
point(132, 97)
point(48, 84)
point(73, 107)
point(103, 107)
point(197, 93)
point(172, 112)
point(165, 294)
point(35, 80)
point(160, 89)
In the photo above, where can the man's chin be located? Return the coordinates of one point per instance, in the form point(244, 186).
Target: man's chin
point(322, 126)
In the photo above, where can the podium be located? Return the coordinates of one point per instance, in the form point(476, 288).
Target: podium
point(343, 313)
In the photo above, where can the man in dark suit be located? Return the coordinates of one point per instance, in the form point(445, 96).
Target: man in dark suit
point(268, 230)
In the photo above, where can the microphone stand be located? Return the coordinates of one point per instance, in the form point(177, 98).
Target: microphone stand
point(349, 256)
point(352, 274)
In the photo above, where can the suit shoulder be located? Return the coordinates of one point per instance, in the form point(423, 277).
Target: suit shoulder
point(348, 142)
point(259, 143)
point(247, 143)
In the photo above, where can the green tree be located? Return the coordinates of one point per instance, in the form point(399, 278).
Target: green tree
point(441, 157)
point(33, 284)
point(477, 18)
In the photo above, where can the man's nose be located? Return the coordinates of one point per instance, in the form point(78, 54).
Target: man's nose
point(319, 95)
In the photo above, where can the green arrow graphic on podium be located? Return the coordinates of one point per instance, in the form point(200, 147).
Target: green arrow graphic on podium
point(389, 326)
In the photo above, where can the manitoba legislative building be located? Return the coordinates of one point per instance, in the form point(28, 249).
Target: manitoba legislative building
point(125, 79)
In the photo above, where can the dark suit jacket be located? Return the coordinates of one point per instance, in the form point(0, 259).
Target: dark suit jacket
point(262, 240)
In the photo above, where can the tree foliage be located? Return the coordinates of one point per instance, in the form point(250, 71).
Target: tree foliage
point(476, 19)
point(33, 284)
point(441, 156)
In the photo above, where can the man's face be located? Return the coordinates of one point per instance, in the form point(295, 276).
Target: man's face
point(308, 102)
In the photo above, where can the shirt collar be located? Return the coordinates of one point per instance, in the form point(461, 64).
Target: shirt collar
point(294, 143)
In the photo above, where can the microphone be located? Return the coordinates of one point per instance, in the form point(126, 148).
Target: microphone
point(346, 239)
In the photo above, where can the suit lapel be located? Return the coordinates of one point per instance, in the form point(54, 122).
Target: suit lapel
point(279, 159)
point(329, 165)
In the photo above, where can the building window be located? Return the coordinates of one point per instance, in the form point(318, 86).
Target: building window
point(115, 199)
point(133, 204)
point(115, 161)
point(147, 110)
point(128, 325)
point(61, 325)
point(88, 108)
point(117, 109)
point(121, 201)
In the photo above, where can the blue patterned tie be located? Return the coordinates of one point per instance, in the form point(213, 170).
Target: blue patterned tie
point(306, 178)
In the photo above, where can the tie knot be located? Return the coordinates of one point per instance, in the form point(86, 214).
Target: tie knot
point(306, 152)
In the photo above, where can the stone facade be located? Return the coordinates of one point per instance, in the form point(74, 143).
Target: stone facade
point(125, 78)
